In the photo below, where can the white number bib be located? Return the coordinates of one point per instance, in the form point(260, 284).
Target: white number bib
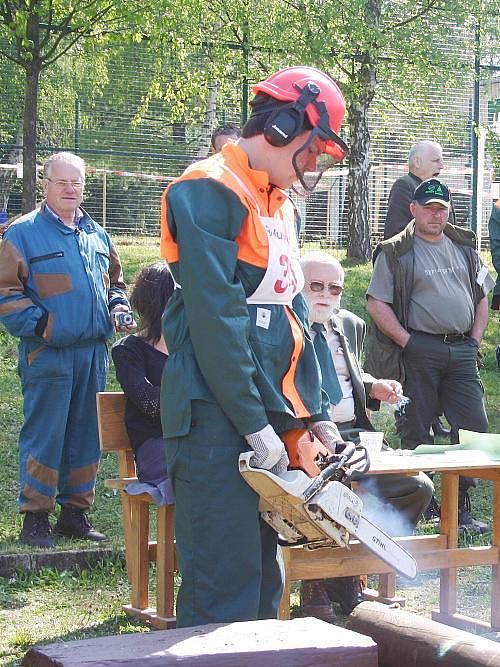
point(283, 279)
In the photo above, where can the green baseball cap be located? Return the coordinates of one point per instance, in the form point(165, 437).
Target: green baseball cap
point(432, 191)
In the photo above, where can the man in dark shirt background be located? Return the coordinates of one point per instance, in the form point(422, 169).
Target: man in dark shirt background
point(425, 160)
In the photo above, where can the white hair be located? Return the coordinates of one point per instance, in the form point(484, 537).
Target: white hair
point(320, 257)
point(419, 148)
point(64, 156)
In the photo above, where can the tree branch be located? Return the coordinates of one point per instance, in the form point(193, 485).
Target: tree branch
point(78, 31)
point(401, 110)
point(425, 10)
point(45, 40)
point(18, 61)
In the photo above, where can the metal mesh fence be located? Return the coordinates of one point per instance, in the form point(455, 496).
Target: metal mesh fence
point(133, 148)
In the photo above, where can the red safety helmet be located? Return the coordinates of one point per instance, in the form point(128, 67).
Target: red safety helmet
point(286, 85)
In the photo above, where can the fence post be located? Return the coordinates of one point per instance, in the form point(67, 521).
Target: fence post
point(480, 184)
point(104, 189)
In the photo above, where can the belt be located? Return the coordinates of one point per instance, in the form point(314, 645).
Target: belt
point(444, 337)
point(343, 426)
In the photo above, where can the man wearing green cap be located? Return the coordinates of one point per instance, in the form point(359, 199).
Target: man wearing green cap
point(427, 299)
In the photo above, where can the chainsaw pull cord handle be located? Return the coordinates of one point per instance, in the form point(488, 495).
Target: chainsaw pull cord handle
point(326, 474)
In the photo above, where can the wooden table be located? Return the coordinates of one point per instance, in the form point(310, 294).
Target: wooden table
point(430, 551)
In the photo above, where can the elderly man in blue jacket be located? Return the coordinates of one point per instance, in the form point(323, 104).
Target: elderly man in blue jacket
point(61, 286)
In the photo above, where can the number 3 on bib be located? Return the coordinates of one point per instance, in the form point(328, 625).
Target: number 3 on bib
point(288, 281)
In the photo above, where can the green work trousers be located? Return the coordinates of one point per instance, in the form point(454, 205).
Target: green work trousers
point(228, 557)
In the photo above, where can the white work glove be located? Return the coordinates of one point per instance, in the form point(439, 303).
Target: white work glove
point(270, 452)
point(327, 433)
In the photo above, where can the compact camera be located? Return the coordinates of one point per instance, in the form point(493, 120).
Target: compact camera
point(124, 319)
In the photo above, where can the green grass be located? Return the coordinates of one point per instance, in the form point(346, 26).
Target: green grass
point(47, 606)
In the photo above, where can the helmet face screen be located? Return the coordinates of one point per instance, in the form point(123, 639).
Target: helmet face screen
point(311, 161)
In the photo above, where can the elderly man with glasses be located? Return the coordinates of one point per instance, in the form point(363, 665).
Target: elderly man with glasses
point(61, 286)
point(393, 502)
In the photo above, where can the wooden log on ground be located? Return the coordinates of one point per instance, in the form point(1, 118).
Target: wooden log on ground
point(299, 643)
point(408, 640)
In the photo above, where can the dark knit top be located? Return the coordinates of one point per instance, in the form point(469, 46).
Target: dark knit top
point(139, 368)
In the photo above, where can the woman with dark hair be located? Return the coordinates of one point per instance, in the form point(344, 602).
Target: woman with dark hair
point(139, 360)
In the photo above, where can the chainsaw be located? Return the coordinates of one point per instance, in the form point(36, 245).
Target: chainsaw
point(312, 504)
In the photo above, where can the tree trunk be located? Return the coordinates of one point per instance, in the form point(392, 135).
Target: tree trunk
point(358, 242)
point(29, 138)
point(408, 639)
point(208, 124)
point(33, 70)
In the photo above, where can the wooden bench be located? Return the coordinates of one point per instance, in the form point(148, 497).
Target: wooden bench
point(139, 549)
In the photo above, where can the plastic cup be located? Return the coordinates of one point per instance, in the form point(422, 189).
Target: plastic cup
point(373, 441)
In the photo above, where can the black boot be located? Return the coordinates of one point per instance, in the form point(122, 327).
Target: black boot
point(36, 530)
point(465, 519)
point(439, 429)
point(347, 591)
point(73, 522)
point(432, 512)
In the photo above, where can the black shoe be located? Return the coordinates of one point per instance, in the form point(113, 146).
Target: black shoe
point(439, 430)
point(73, 522)
point(36, 530)
point(466, 521)
point(432, 512)
point(347, 591)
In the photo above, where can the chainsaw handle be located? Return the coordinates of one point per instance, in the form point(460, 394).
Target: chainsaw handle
point(348, 450)
point(324, 476)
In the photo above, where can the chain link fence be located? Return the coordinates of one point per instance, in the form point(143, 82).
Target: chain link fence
point(133, 148)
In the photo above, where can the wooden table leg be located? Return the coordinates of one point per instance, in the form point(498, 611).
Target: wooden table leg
point(495, 574)
point(449, 527)
point(284, 608)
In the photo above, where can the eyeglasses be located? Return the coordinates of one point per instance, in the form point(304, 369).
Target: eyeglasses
point(319, 286)
point(61, 183)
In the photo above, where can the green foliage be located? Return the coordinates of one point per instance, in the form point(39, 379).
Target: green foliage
point(493, 149)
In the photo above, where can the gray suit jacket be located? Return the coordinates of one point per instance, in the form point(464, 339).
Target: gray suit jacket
point(351, 330)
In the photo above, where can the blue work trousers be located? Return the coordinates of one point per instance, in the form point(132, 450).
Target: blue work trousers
point(59, 442)
point(229, 559)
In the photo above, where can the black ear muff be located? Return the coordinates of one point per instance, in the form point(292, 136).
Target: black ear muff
point(286, 122)
point(283, 125)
